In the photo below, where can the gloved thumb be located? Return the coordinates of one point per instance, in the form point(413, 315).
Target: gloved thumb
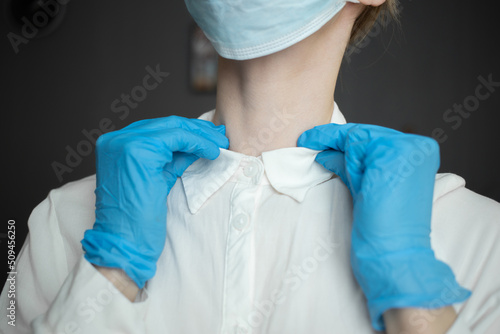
point(334, 161)
point(180, 162)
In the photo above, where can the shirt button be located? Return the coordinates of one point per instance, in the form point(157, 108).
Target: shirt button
point(250, 170)
point(240, 221)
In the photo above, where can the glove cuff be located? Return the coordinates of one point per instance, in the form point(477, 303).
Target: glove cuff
point(413, 278)
point(109, 250)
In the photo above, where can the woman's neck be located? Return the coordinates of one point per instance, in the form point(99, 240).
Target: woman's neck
point(267, 102)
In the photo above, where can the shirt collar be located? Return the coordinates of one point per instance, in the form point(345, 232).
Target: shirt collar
point(291, 171)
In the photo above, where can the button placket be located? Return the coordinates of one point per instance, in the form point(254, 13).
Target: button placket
point(241, 330)
point(240, 254)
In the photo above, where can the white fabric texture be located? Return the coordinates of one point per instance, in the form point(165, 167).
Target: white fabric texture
point(254, 245)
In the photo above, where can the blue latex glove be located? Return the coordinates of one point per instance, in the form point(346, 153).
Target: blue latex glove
point(391, 178)
point(136, 168)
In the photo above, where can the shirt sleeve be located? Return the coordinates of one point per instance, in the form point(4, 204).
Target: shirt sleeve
point(89, 303)
point(57, 292)
point(465, 234)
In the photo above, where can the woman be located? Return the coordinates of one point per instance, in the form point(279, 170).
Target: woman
point(284, 220)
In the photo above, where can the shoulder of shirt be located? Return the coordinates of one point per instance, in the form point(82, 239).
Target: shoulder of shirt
point(446, 183)
point(462, 218)
point(464, 234)
point(74, 198)
point(74, 202)
point(76, 192)
point(72, 209)
point(451, 187)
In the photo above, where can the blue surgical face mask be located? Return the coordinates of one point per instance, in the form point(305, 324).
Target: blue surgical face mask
point(246, 29)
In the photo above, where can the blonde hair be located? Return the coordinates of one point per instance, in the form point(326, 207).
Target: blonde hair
point(365, 21)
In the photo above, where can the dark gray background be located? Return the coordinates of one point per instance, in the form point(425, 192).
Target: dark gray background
point(61, 84)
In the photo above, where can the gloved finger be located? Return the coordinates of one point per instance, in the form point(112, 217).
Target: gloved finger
point(202, 127)
point(216, 134)
point(337, 136)
point(173, 121)
point(325, 136)
point(181, 140)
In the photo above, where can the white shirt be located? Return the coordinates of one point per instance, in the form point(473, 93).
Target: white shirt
point(254, 245)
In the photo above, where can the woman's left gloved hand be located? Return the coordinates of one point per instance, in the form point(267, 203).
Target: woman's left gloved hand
point(391, 178)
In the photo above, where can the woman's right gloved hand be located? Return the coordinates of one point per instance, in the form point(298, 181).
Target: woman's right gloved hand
point(137, 167)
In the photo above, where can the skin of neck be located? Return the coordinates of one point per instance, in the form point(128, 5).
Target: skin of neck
point(267, 102)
